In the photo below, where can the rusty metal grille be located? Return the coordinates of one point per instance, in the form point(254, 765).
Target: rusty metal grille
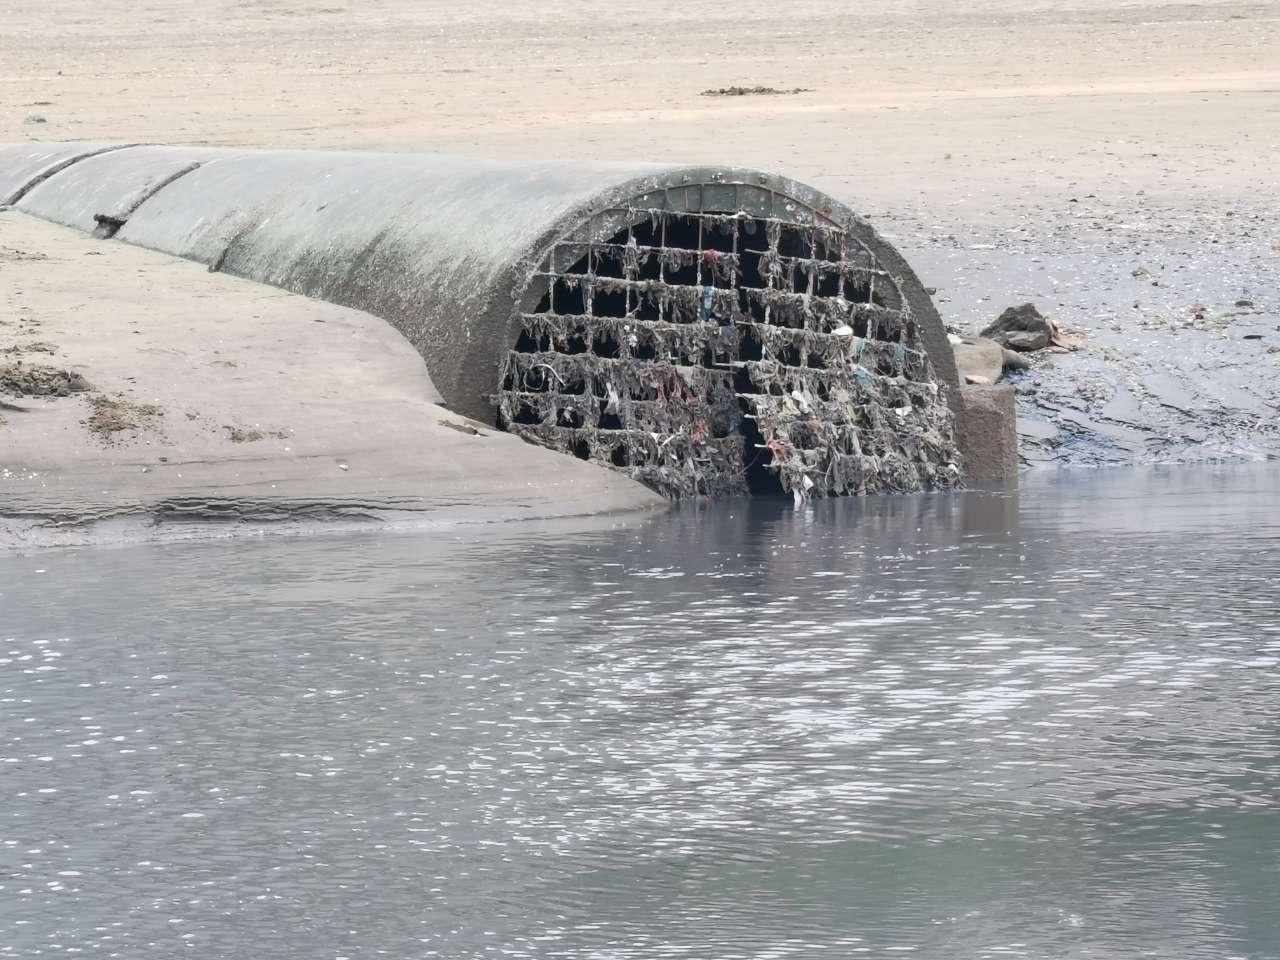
point(716, 354)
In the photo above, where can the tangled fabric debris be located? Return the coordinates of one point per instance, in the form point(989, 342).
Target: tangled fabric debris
point(718, 354)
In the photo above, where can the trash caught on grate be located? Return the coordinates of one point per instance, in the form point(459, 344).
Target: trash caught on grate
point(710, 354)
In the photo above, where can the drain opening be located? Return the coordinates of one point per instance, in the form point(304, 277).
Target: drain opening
point(722, 354)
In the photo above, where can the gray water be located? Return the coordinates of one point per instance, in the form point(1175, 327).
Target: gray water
point(981, 725)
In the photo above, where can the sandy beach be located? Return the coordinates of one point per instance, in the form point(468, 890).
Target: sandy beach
point(1115, 163)
point(987, 110)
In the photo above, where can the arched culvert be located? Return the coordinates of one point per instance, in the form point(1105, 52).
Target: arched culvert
point(722, 339)
point(707, 330)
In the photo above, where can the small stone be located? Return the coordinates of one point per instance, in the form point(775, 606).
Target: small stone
point(1244, 303)
point(1023, 328)
point(1025, 341)
point(976, 380)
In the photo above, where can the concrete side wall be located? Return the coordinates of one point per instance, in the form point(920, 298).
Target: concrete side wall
point(986, 428)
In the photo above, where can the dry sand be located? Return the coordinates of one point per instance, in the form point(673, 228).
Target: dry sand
point(985, 106)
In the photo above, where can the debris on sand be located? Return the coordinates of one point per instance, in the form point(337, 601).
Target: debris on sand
point(112, 416)
point(38, 346)
point(241, 435)
point(754, 92)
point(466, 428)
point(37, 380)
point(13, 253)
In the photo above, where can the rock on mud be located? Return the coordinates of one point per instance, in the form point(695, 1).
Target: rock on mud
point(1024, 329)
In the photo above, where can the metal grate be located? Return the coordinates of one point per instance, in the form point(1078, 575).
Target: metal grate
point(723, 353)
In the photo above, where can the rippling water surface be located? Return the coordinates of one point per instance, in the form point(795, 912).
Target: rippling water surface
point(984, 725)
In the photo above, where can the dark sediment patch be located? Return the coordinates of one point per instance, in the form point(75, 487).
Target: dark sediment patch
point(13, 253)
point(38, 346)
point(113, 415)
point(756, 91)
point(37, 380)
point(243, 435)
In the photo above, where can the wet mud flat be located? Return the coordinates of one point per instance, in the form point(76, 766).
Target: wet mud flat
point(1178, 303)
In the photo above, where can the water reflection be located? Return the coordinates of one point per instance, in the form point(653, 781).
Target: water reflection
point(984, 725)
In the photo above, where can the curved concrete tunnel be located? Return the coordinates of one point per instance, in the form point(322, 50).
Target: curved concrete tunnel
point(709, 331)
